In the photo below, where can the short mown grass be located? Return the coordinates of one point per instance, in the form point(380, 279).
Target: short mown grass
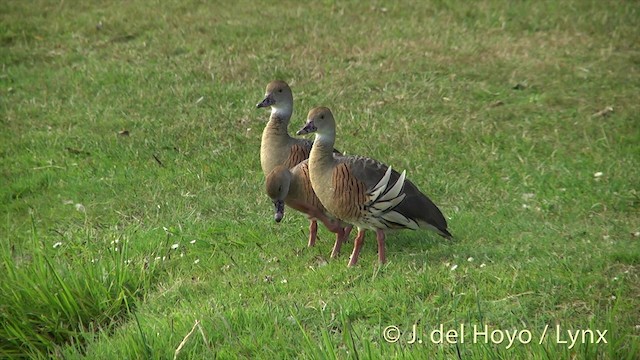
point(134, 223)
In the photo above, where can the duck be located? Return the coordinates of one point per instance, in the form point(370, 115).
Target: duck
point(277, 147)
point(293, 188)
point(365, 192)
point(279, 150)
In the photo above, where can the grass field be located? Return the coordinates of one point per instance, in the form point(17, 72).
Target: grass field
point(134, 222)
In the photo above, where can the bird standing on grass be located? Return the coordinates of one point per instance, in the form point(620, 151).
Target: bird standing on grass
point(277, 147)
point(293, 188)
point(280, 152)
point(364, 192)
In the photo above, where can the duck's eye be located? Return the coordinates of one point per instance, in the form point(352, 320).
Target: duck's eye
point(321, 116)
point(279, 90)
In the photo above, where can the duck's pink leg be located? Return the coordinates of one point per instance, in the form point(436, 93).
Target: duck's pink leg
point(313, 231)
point(357, 245)
point(341, 236)
point(336, 247)
point(380, 237)
point(347, 231)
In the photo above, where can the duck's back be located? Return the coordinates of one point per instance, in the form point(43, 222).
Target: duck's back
point(353, 181)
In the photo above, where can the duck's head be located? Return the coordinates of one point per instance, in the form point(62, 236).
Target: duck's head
point(319, 120)
point(277, 185)
point(278, 95)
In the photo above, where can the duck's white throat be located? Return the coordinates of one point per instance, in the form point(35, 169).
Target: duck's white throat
point(281, 111)
point(325, 138)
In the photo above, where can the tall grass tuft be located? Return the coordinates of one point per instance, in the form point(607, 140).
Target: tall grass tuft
point(48, 303)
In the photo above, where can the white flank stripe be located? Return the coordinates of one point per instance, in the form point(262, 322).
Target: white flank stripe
point(396, 189)
point(381, 185)
point(396, 217)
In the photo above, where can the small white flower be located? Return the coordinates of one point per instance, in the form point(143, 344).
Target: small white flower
point(470, 259)
point(605, 237)
point(192, 242)
point(528, 196)
point(598, 174)
point(283, 281)
point(525, 206)
point(158, 258)
point(57, 245)
point(454, 267)
point(80, 207)
point(615, 278)
point(196, 261)
point(483, 265)
point(613, 297)
point(181, 255)
point(188, 194)
point(174, 246)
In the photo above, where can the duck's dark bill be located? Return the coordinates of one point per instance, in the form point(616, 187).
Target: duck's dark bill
point(279, 205)
point(308, 128)
point(268, 101)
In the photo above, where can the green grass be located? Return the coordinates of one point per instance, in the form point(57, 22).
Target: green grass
point(91, 219)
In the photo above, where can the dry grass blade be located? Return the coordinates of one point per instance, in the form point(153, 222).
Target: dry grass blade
point(186, 338)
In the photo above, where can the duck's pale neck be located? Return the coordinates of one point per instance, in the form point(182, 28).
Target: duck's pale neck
point(279, 120)
point(282, 111)
point(322, 150)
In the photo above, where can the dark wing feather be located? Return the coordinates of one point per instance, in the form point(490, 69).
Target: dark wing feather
point(415, 206)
